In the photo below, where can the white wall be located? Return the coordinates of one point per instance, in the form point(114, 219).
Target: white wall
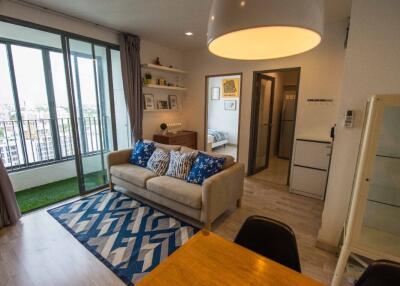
point(219, 118)
point(372, 66)
point(321, 75)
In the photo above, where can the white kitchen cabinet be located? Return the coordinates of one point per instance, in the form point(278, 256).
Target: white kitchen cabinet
point(309, 182)
point(313, 154)
point(310, 167)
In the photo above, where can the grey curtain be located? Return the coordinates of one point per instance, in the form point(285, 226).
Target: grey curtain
point(9, 210)
point(132, 79)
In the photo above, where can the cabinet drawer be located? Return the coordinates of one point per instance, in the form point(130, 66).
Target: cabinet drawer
point(182, 140)
point(312, 154)
point(308, 182)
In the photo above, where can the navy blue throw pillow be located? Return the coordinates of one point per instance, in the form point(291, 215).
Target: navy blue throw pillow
point(204, 166)
point(142, 153)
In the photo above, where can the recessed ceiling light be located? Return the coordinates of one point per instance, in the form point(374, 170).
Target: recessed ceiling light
point(189, 34)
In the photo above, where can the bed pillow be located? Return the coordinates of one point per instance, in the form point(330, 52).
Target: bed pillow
point(180, 164)
point(158, 162)
point(142, 153)
point(204, 166)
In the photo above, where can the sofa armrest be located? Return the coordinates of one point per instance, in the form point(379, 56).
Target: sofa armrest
point(118, 157)
point(220, 191)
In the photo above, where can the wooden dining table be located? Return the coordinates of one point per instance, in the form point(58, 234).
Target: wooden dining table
point(208, 259)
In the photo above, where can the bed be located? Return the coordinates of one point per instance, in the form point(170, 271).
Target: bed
point(216, 138)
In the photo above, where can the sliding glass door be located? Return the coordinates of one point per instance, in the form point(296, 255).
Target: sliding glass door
point(57, 109)
point(92, 106)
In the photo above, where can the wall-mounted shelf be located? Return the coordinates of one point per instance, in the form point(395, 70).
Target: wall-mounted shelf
point(160, 110)
point(319, 100)
point(165, 87)
point(163, 68)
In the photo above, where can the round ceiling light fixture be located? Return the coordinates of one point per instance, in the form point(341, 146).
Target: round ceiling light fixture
point(264, 29)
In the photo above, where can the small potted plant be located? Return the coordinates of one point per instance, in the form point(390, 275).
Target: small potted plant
point(147, 78)
point(163, 128)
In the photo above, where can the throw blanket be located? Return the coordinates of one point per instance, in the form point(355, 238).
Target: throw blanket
point(218, 135)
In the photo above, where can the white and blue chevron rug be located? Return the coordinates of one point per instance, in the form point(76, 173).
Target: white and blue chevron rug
point(129, 237)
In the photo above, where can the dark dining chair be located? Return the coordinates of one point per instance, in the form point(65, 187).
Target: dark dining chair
point(270, 238)
point(380, 273)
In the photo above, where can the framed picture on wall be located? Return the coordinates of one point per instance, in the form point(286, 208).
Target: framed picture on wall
point(230, 104)
point(215, 93)
point(231, 87)
point(162, 104)
point(173, 101)
point(148, 101)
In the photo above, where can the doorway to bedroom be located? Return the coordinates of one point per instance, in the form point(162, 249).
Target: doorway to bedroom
point(223, 97)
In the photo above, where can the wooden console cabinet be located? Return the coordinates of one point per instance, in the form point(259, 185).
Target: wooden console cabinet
point(184, 138)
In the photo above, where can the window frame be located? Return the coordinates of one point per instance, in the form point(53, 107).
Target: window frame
point(45, 50)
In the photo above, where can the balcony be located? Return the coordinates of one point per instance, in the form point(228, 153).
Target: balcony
point(39, 155)
point(43, 85)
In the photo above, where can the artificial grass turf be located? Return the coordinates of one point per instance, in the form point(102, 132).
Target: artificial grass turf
point(41, 196)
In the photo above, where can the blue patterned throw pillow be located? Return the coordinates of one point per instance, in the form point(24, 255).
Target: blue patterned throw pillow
point(142, 153)
point(203, 167)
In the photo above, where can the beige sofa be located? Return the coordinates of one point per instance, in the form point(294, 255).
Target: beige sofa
point(203, 203)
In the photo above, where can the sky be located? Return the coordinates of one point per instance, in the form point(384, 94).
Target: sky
point(28, 65)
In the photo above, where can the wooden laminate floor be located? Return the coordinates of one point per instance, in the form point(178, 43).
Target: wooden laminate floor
point(39, 251)
point(276, 173)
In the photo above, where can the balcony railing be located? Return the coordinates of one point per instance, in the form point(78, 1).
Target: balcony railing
point(31, 143)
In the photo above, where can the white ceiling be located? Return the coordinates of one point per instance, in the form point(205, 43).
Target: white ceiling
point(162, 21)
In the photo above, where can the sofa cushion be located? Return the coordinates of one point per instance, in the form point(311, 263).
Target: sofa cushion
point(229, 160)
point(158, 162)
point(142, 153)
point(185, 149)
point(180, 164)
point(132, 173)
point(165, 147)
point(177, 190)
point(203, 167)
